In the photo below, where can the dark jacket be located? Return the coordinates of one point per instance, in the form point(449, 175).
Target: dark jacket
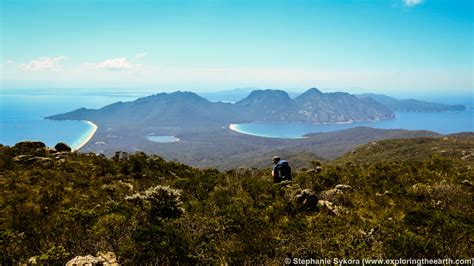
point(281, 171)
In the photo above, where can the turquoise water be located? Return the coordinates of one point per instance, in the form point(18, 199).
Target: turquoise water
point(163, 139)
point(444, 123)
point(22, 117)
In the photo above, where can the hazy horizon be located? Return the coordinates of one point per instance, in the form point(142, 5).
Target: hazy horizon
point(465, 98)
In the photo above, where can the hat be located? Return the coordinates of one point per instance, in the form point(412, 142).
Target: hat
point(276, 159)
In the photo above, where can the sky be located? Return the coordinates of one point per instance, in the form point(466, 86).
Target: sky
point(356, 46)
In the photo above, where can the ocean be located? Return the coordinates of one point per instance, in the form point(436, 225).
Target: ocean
point(444, 123)
point(22, 118)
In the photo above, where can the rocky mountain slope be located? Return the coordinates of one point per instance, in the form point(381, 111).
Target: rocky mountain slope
point(170, 109)
point(189, 109)
point(314, 105)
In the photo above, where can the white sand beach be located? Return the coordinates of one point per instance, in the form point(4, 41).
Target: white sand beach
point(89, 137)
point(234, 127)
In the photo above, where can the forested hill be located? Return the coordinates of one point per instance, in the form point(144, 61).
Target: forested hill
point(137, 208)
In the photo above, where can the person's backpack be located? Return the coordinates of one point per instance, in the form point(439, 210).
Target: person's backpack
point(284, 171)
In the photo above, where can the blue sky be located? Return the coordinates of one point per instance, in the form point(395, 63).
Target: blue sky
point(379, 45)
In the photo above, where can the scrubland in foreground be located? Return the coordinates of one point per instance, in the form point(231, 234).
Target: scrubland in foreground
point(58, 205)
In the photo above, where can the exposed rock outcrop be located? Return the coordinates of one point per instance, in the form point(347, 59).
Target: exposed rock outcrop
point(30, 145)
point(331, 195)
point(343, 187)
point(306, 198)
point(107, 258)
point(62, 147)
point(331, 207)
point(30, 160)
point(22, 158)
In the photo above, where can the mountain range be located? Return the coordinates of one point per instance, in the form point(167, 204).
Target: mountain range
point(207, 141)
point(190, 110)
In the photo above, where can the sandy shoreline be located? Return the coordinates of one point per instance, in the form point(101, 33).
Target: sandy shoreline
point(234, 127)
point(94, 129)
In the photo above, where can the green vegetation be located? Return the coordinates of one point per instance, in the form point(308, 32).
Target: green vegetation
point(458, 147)
point(58, 205)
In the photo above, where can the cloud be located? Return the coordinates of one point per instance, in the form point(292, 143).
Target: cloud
point(412, 2)
point(43, 63)
point(116, 64)
point(140, 55)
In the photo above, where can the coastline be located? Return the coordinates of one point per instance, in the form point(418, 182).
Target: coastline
point(89, 137)
point(234, 127)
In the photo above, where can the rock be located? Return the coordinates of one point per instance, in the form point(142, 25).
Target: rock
point(126, 184)
point(85, 261)
point(60, 155)
point(30, 159)
point(325, 203)
point(107, 258)
point(306, 199)
point(62, 147)
point(285, 183)
point(33, 260)
point(40, 159)
point(22, 158)
point(43, 161)
point(331, 194)
point(331, 207)
point(173, 174)
point(436, 203)
point(350, 164)
point(343, 187)
point(318, 169)
point(30, 145)
point(311, 171)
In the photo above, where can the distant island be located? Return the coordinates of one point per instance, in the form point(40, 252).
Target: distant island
point(411, 105)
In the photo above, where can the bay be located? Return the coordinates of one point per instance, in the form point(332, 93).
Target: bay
point(444, 123)
point(22, 116)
